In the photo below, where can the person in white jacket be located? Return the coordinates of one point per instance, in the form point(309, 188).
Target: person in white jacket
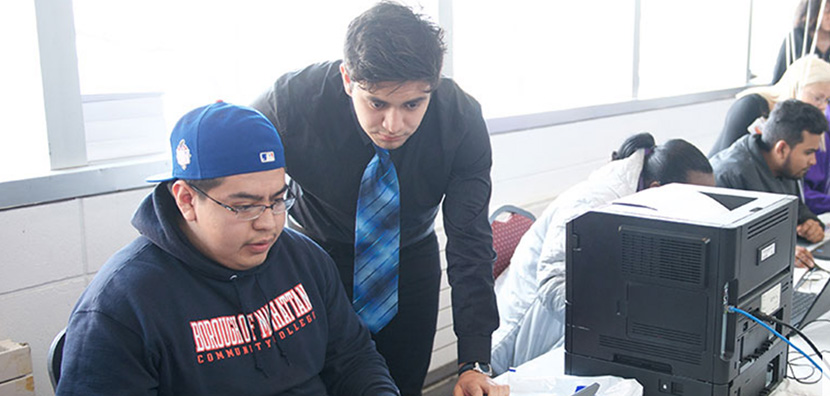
point(531, 292)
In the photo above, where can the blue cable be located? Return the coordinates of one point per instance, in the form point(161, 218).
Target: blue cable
point(777, 334)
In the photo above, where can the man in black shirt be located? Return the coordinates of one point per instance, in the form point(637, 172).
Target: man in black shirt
point(387, 96)
point(776, 160)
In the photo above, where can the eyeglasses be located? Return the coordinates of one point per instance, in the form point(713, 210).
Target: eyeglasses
point(252, 212)
point(818, 98)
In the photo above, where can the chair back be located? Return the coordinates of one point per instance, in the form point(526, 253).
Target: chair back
point(507, 233)
point(53, 360)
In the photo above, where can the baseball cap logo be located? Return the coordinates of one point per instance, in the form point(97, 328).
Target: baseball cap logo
point(183, 155)
point(267, 156)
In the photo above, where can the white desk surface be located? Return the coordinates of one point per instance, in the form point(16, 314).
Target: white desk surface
point(545, 374)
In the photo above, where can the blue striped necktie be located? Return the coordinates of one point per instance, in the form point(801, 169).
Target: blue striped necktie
point(377, 243)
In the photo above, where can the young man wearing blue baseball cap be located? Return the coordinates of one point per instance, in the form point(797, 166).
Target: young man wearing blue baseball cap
point(215, 297)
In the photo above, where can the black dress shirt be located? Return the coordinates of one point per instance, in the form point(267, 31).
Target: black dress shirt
point(448, 158)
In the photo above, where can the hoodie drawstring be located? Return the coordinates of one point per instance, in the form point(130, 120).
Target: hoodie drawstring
point(271, 321)
point(247, 310)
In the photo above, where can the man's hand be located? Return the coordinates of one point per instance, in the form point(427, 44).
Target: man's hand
point(810, 230)
point(803, 257)
point(473, 383)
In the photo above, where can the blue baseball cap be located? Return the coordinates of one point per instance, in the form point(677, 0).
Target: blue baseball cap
point(222, 139)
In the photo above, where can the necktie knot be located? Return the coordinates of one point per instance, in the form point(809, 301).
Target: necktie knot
point(382, 153)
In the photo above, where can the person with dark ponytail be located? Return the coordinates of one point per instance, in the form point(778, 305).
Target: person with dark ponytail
point(676, 161)
point(531, 292)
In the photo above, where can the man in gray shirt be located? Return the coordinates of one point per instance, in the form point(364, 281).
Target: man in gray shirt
point(776, 160)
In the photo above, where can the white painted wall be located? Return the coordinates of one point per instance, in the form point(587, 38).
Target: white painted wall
point(50, 252)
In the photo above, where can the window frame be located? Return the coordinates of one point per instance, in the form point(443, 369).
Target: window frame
point(61, 84)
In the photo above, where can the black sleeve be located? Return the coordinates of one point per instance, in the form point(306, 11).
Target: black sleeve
point(804, 213)
point(470, 254)
point(266, 103)
point(780, 63)
point(740, 116)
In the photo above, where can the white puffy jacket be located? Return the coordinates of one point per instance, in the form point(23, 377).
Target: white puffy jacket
point(531, 292)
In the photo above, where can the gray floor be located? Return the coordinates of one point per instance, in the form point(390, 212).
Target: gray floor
point(441, 388)
point(440, 381)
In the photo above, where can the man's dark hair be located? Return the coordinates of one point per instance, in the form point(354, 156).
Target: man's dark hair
point(389, 42)
point(789, 119)
point(667, 163)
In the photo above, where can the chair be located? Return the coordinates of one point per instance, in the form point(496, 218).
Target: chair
point(53, 360)
point(507, 233)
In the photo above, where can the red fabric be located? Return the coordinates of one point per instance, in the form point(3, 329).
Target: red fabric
point(506, 236)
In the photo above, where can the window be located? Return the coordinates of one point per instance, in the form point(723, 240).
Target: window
point(692, 46)
point(528, 56)
point(531, 56)
point(154, 60)
point(24, 150)
point(771, 22)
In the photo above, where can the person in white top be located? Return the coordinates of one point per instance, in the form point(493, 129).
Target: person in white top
point(531, 292)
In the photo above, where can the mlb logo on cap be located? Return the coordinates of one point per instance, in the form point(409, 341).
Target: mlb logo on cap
point(267, 156)
point(220, 140)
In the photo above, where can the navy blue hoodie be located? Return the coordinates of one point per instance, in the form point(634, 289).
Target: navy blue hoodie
point(160, 318)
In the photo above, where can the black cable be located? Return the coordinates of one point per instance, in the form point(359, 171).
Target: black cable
point(775, 320)
point(802, 380)
point(817, 321)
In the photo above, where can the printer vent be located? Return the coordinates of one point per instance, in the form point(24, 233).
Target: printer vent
point(668, 257)
point(644, 348)
point(647, 330)
point(767, 222)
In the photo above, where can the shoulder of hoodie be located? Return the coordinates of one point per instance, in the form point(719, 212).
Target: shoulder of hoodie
point(299, 248)
point(143, 271)
point(138, 272)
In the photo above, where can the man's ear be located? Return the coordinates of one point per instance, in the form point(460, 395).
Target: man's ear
point(347, 81)
point(184, 195)
point(654, 184)
point(781, 150)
